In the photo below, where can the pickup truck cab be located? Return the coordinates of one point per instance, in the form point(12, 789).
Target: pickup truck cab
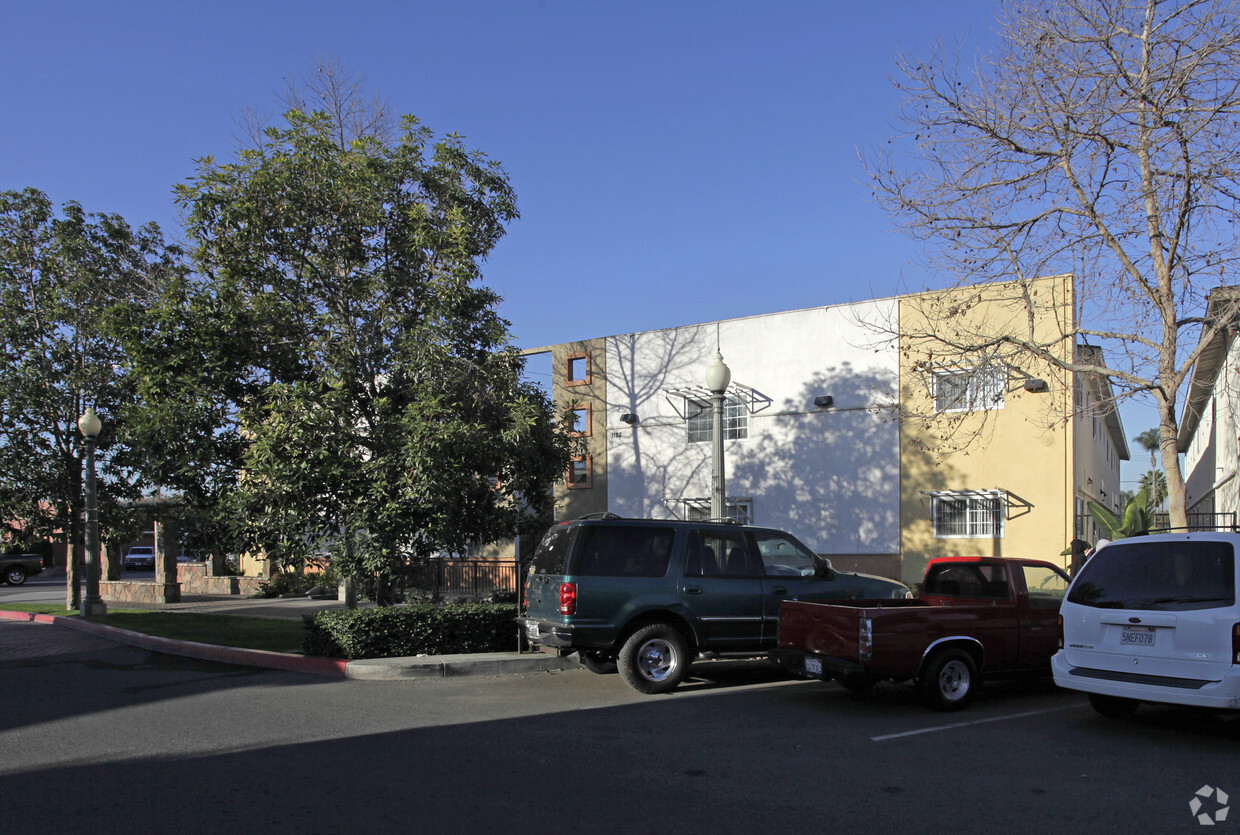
point(15, 568)
point(975, 616)
point(650, 595)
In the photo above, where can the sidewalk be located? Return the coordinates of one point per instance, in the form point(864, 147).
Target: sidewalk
point(293, 608)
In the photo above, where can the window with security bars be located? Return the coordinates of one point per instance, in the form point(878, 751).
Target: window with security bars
point(698, 510)
point(701, 421)
point(969, 390)
point(968, 516)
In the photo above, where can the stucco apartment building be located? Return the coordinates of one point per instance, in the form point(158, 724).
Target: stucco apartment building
point(1209, 429)
point(850, 427)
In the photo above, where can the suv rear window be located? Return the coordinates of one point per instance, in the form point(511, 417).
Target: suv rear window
point(552, 553)
point(623, 551)
point(1172, 576)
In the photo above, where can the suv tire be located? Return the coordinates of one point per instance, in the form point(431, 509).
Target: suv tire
point(15, 576)
point(654, 659)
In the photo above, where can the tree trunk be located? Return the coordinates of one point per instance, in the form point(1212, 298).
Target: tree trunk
point(1168, 430)
point(73, 571)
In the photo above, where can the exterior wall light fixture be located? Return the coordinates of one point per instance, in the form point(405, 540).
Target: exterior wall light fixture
point(824, 401)
point(629, 418)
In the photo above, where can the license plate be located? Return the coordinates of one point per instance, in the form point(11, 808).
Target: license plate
point(531, 630)
point(1137, 636)
point(813, 666)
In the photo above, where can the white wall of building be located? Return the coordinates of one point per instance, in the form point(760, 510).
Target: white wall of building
point(1210, 462)
point(831, 476)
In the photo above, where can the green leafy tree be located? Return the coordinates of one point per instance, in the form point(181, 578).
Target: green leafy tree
point(374, 400)
point(1098, 140)
point(59, 274)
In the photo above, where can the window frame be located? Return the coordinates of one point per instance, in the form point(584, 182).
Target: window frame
point(587, 481)
point(984, 389)
point(975, 524)
point(569, 379)
point(700, 424)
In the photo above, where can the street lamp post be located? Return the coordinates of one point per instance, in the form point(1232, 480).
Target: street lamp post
point(92, 605)
point(718, 376)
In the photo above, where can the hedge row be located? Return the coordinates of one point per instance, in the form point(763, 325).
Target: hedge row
point(419, 629)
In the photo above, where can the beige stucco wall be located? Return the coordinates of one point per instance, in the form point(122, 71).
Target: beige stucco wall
point(575, 502)
point(1023, 449)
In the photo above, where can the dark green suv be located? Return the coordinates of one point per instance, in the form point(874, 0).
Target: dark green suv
point(649, 595)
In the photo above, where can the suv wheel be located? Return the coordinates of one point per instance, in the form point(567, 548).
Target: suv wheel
point(15, 576)
point(597, 661)
point(654, 659)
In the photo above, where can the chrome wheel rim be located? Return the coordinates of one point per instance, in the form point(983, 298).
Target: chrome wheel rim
point(954, 680)
point(656, 660)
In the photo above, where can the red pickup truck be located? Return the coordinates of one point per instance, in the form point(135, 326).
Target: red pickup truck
point(974, 616)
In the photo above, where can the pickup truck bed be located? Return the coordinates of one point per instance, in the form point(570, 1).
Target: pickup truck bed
point(946, 640)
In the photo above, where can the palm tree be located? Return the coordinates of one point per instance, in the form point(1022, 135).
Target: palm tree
point(1149, 442)
point(1154, 483)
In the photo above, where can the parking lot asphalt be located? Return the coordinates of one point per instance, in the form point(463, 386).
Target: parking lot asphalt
point(293, 608)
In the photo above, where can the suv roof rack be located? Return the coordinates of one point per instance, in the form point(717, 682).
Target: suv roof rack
point(606, 514)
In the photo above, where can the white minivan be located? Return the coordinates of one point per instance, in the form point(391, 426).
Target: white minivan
point(1154, 619)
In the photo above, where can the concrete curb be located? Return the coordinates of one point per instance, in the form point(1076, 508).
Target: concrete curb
point(443, 666)
point(368, 669)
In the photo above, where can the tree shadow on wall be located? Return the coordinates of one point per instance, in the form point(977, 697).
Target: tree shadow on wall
point(833, 475)
point(675, 360)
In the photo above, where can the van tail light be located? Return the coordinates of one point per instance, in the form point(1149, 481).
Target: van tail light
point(568, 598)
point(1061, 632)
point(865, 639)
point(1235, 643)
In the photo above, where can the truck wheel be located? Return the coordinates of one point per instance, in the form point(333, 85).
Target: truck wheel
point(597, 661)
point(654, 659)
point(15, 576)
point(1113, 707)
point(949, 680)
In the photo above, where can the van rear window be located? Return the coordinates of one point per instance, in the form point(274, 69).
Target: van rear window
point(623, 551)
point(1173, 576)
point(552, 553)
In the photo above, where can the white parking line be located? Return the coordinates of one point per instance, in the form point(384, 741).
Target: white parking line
point(886, 737)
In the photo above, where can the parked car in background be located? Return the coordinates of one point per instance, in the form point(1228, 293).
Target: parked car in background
point(139, 557)
point(651, 595)
point(15, 568)
point(1154, 619)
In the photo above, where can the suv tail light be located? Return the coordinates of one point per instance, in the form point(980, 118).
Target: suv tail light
point(1061, 633)
point(568, 598)
point(865, 640)
point(1235, 643)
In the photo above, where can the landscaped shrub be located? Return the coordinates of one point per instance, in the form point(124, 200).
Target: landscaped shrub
point(293, 583)
point(420, 629)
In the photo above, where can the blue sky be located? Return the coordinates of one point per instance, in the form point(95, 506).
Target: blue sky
point(674, 162)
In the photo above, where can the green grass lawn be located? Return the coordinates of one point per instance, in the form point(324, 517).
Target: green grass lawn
point(220, 630)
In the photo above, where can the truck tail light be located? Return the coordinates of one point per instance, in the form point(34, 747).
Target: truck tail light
point(865, 640)
point(1235, 643)
point(568, 598)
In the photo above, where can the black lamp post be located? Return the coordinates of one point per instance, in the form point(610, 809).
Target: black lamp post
point(92, 604)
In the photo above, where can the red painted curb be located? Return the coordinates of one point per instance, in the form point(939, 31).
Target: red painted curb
point(192, 649)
